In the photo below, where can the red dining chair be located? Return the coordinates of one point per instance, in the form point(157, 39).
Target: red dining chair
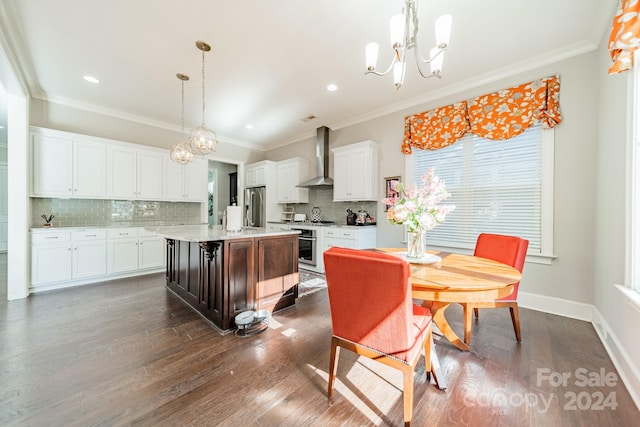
point(373, 315)
point(508, 250)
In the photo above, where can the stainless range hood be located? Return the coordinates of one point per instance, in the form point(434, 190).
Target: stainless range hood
point(322, 161)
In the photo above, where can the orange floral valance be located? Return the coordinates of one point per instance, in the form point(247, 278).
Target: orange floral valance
point(499, 115)
point(625, 35)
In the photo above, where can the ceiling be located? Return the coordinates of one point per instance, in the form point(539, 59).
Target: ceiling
point(272, 60)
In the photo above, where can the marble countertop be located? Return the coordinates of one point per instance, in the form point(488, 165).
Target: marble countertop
point(205, 233)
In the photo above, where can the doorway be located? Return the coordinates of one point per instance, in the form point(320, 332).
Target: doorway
point(221, 194)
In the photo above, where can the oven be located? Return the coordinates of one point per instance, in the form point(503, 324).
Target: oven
point(307, 242)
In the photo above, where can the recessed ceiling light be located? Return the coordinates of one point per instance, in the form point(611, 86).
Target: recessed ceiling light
point(332, 87)
point(249, 126)
point(91, 79)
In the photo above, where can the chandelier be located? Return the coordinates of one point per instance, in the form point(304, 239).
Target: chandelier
point(202, 138)
point(181, 152)
point(404, 37)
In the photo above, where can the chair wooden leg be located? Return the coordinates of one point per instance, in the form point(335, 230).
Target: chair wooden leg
point(333, 365)
point(407, 392)
point(435, 367)
point(515, 319)
point(476, 312)
point(466, 311)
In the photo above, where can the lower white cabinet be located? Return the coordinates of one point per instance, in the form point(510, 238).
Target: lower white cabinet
point(349, 237)
point(61, 258)
point(132, 249)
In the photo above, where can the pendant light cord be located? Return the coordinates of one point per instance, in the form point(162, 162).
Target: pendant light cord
point(203, 98)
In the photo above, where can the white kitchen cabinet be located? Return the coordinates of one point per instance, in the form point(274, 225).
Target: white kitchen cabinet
point(151, 252)
point(349, 237)
point(52, 166)
point(258, 174)
point(122, 250)
point(185, 182)
point(65, 167)
point(59, 256)
point(89, 254)
point(132, 249)
point(50, 258)
point(134, 174)
point(290, 173)
point(355, 172)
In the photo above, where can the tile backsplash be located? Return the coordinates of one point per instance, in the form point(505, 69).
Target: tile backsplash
point(330, 210)
point(90, 212)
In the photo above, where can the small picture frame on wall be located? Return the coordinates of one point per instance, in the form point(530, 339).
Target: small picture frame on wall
point(391, 189)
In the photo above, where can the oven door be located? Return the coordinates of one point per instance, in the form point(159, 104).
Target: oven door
point(307, 247)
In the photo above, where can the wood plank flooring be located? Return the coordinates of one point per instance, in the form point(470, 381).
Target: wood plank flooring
point(128, 352)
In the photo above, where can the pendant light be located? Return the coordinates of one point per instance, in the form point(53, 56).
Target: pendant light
point(202, 138)
point(181, 152)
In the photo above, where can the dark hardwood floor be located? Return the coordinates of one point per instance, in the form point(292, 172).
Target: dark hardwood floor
point(128, 352)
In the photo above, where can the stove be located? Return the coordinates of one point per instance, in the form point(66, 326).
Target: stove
point(322, 222)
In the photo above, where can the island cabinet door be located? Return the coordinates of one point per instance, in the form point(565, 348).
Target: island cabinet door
point(182, 270)
point(240, 278)
point(277, 272)
point(210, 294)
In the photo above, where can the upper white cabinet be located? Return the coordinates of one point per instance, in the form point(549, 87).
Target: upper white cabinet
point(67, 167)
point(290, 173)
point(134, 174)
point(258, 174)
point(185, 182)
point(355, 172)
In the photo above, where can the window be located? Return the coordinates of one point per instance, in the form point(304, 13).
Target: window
point(503, 187)
point(633, 249)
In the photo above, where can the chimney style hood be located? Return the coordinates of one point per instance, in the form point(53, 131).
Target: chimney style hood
point(322, 161)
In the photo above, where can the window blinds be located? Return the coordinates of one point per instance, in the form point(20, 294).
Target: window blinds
point(496, 187)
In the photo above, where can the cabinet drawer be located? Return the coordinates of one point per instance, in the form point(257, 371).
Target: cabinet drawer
point(331, 232)
point(51, 237)
point(346, 233)
point(93, 234)
point(122, 233)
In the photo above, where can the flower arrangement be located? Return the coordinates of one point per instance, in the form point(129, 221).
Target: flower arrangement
point(418, 206)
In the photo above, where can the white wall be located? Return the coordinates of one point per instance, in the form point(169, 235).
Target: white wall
point(616, 316)
point(570, 276)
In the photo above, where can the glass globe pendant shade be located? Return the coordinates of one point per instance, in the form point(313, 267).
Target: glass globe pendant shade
point(181, 153)
point(203, 139)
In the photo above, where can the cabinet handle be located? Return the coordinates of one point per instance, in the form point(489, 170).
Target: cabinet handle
point(51, 237)
point(89, 235)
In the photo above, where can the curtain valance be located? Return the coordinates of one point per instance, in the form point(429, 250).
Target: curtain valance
point(499, 115)
point(625, 35)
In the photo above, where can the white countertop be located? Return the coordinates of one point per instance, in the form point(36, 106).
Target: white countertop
point(114, 224)
point(205, 233)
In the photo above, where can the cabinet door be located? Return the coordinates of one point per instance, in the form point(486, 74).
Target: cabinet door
point(89, 169)
point(173, 180)
point(285, 182)
point(261, 175)
point(50, 263)
point(341, 169)
point(151, 252)
point(122, 255)
point(89, 259)
point(358, 176)
point(250, 177)
point(239, 278)
point(149, 175)
point(52, 166)
point(195, 181)
point(121, 172)
point(275, 278)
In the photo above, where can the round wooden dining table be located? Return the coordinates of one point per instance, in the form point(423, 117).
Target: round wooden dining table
point(459, 279)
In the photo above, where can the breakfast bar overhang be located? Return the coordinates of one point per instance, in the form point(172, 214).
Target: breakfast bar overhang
point(222, 273)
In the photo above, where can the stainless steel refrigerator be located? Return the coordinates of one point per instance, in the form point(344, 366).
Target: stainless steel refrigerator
point(255, 207)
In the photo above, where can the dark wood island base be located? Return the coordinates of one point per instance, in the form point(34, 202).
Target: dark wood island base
point(220, 279)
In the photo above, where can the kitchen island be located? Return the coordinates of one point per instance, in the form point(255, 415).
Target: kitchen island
point(222, 273)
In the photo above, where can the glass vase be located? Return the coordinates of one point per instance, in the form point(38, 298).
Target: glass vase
point(415, 244)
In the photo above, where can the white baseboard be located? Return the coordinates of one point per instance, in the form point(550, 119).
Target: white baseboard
point(553, 305)
point(620, 358)
point(576, 310)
